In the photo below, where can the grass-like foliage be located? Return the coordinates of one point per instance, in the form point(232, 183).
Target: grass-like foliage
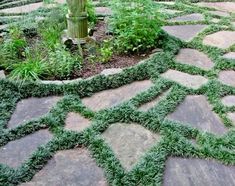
point(136, 25)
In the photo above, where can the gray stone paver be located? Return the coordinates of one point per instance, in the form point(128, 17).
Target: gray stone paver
point(193, 171)
point(189, 17)
point(188, 80)
point(195, 58)
point(197, 112)
point(184, 32)
point(70, 168)
point(16, 152)
point(220, 13)
point(230, 55)
point(227, 77)
point(129, 142)
point(231, 116)
point(31, 108)
point(2, 74)
point(229, 100)
point(224, 6)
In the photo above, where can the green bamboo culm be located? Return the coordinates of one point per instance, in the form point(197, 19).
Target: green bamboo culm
point(77, 19)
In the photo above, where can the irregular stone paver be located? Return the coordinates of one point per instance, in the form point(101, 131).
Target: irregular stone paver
point(2, 74)
point(23, 9)
point(111, 71)
point(169, 11)
point(224, 6)
point(145, 107)
point(191, 81)
point(184, 32)
point(32, 108)
point(222, 39)
point(76, 122)
point(219, 13)
point(197, 112)
point(190, 17)
point(227, 77)
point(228, 101)
point(104, 11)
point(70, 168)
point(16, 152)
point(230, 55)
point(129, 142)
point(231, 116)
point(113, 97)
point(193, 171)
point(194, 57)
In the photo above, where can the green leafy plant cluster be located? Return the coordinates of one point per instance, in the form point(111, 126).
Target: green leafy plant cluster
point(136, 25)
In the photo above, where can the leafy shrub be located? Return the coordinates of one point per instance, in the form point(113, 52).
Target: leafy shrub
point(106, 52)
point(91, 12)
point(136, 25)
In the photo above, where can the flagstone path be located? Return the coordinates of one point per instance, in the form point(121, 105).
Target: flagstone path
point(135, 147)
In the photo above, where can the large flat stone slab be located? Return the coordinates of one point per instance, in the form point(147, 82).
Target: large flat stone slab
point(191, 81)
point(230, 55)
point(197, 112)
point(31, 108)
point(229, 101)
point(103, 11)
point(70, 168)
point(222, 39)
point(227, 77)
point(198, 172)
point(184, 32)
point(195, 58)
point(224, 6)
point(231, 116)
point(189, 17)
point(16, 152)
point(76, 122)
point(220, 13)
point(113, 97)
point(129, 142)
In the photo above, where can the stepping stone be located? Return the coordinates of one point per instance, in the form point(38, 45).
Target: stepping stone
point(17, 152)
point(2, 74)
point(70, 167)
point(190, 17)
point(191, 81)
point(104, 11)
point(111, 71)
point(76, 122)
point(227, 77)
point(184, 32)
point(222, 39)
point(197, 112)
point(214, 20)
point(113, 97)
point(129, 142)
point(224, 6)
point(31, 108)
point(169, 11)
point(219, 13)
point(231, 116)
point(228, 101)
point(230, 55)
point(23, 9)
point(193, 171)
point(145, 107)
point(195, 58)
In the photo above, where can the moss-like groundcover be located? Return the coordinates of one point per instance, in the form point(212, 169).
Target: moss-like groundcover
point(175, 136)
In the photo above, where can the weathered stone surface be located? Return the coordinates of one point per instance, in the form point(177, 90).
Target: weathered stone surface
point(195, 58)
point(129, 142)
point(113, 97)
point(193, 171)
point(222, 39)
point(76, 122)
point(184, 32)
point(191, 81)
point(145, 107)
point(111, 71)
point(224, 6)
point(2, 74)
point(214, 20)
point(219, 13)
point(230, 55)
point(169, 11)
point(228, 101)
point(190, 17)
point(32, 108)
point(227, 77)
point(104, 11)
point(23, 9)
point(231, 116)
point(16, 152)
point(197, 112)
point(70, 167)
